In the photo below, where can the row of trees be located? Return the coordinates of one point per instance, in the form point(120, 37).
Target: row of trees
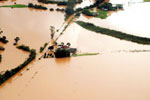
point(42, 48)
point(57, 9)
point(114, 33)
point(3, 38)
point(110, 7)
point(63, 3)
point(4, 77)
point(0, 57)
point(70, 8)
point(30, 5)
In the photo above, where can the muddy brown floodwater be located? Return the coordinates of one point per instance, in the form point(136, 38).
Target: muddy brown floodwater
point(120, 72)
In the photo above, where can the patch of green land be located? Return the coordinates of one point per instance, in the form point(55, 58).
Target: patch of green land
point(84, 54)
point(114, 33)
point(0, 57)
point(99, 14)
point(146, 0)
point(102, 14)
point(15, 6)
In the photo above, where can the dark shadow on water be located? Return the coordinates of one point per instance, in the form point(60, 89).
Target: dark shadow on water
point(61, 61)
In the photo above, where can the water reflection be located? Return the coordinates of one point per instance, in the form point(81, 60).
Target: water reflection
point(63, 61)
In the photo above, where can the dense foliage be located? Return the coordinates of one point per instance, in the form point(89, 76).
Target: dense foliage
point(30, 5)
point(2, 48)
point(110, 7)
point(23, 47)
point(0, 57)
point(3, 39)
point(63, 3)
point(70, 8)
point(87, 12)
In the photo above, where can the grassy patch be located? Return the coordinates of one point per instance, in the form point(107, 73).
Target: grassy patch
point(114, 33)
point(102, 14)
point(146, 0)
point(15, 6)
point(99, 14)
point(0, 57)
point(84, 54)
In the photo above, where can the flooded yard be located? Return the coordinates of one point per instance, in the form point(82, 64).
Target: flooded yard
point(120, 72)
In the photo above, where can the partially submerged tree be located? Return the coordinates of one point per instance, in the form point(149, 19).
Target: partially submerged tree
point(16, 40)
point(52, 29)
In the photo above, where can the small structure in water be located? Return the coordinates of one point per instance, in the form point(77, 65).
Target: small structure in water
point(60, 51)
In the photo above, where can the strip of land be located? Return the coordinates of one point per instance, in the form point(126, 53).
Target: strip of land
point(15, 6)
point(85, 54)
point(146, 0)
point(114, 33)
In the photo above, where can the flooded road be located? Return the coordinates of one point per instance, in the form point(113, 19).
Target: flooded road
point(120, 72)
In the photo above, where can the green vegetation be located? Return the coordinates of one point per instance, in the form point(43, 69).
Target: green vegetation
point(53, 2)
point(59, 9)
point(113, 33)
point(3, 39)
point(62, 52)
point(99, 14)
point(70, 8)
point(42, 48)
point(102, 14)
point(2, 48)
point(146, 0)
point(23, 47)
point(0, 57)
point(9, 73)
point(84, 54)
point(30, 5)
point(16, 40)
point(52, 29)
point(51, 9)
point(15, 6)
point(87, 12)
point(109, 7)
point(63, 3)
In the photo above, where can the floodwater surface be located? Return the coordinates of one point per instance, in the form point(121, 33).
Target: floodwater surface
point(120, 72)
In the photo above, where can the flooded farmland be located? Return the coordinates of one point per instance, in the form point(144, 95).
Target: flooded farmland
point(120, 71)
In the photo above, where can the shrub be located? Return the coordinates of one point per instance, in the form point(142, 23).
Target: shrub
point(3, 39)
point(51, 9)
point(2, 48)
point(42, 48)
point(23, 47)
point(87, 12)
point(0, 57)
